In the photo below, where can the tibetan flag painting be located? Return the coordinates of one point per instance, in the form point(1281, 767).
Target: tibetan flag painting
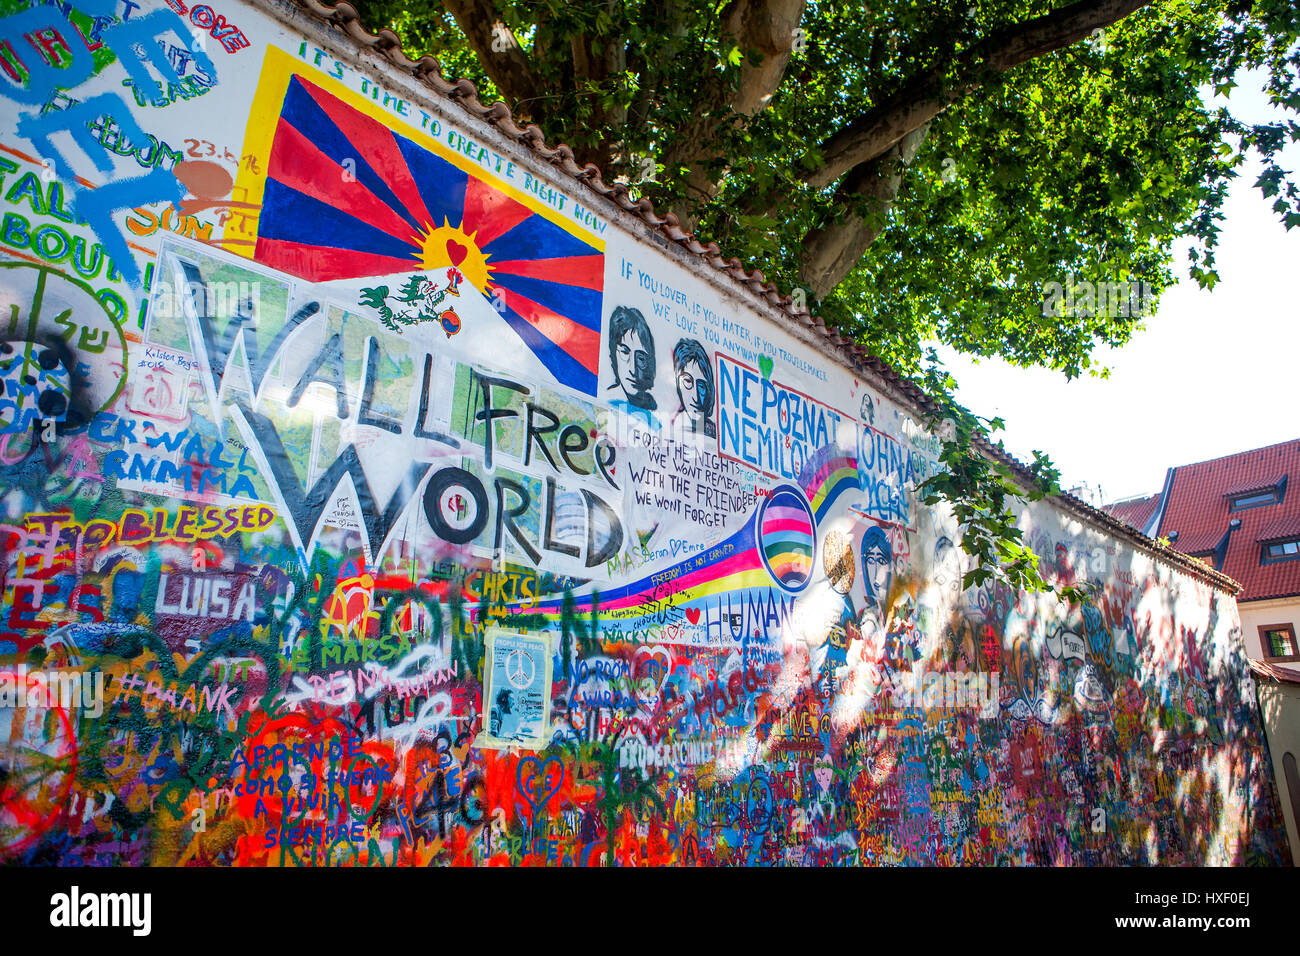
point(346, 197)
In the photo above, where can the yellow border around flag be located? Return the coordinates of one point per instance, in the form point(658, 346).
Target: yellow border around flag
point(278, 68)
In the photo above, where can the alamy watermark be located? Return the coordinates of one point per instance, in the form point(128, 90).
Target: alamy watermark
point(1112, 299)
point(20, 687)
point(949, 690)
point(77, 908)
point(207, 298)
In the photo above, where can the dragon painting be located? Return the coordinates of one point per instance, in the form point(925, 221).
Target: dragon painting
point(423, 296)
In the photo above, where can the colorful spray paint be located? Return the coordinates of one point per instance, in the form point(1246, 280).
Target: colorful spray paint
point(381, 497)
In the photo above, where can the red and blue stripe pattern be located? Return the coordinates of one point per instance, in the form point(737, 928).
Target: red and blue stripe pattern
point(347, 197)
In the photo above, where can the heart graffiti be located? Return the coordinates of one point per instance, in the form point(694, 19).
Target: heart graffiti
point(533, 778)
point(653, 668)
point(823, 771)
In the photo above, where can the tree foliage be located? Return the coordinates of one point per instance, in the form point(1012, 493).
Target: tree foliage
point(922, 170)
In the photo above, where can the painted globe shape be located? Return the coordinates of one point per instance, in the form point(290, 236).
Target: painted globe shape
point(787, 538)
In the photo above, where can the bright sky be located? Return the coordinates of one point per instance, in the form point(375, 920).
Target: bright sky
point(1213, 373)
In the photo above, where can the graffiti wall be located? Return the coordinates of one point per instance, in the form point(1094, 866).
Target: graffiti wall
point(374, 493)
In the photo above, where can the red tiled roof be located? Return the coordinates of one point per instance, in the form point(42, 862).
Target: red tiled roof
point(1255, 484)
point(1136, 512)
point(1287, 526)
point(1277, 672)
point(1197, 510)
point(1199, 542)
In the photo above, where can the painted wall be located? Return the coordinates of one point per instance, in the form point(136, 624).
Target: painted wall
point(328, 414)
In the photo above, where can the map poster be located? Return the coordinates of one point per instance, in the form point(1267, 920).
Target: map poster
point(516, 691)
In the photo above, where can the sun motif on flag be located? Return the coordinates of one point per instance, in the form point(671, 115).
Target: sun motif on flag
point(449, 246)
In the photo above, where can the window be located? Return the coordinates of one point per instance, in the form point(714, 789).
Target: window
point(1279, 642)
point(1281, 550)
point(1253, 500)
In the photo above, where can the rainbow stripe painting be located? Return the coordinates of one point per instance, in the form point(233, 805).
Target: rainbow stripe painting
point(787, 538)
point(826, 475)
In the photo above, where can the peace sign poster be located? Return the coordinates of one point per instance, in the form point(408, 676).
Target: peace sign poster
point(516, 691)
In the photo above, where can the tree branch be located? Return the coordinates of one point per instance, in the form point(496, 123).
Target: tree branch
point(509, 69)
point(764, 27)
point(923, 98)
point(832, 250)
